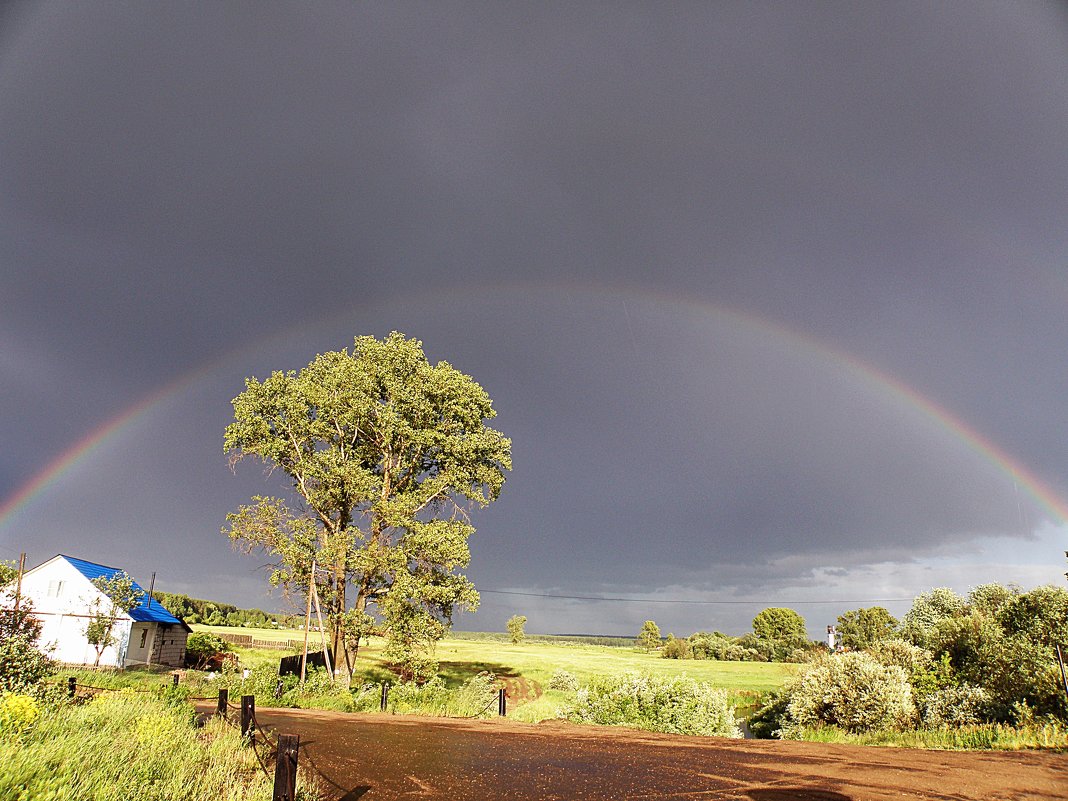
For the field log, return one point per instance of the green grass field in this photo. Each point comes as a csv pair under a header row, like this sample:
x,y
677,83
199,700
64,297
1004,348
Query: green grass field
x,y
535,662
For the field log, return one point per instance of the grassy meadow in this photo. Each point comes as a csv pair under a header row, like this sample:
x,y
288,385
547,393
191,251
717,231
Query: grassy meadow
x,y
529,666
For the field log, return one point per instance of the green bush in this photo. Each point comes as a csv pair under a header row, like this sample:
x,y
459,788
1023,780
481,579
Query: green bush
x,y
563,680
677,705
965,705
202,647
676,649
853,691
17,714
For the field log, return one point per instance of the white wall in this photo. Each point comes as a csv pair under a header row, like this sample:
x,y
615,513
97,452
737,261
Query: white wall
x,y
62,599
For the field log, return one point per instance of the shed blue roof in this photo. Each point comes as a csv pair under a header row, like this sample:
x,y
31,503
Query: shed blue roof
x,y
149,610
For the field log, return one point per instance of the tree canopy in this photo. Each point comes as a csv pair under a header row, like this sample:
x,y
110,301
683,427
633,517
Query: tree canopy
x,y
860,628
387,454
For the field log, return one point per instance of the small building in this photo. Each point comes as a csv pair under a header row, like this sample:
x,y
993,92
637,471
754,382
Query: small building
x,y
63,597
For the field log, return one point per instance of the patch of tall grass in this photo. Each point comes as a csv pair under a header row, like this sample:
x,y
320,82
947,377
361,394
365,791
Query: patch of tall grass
x,y
123,745
977,737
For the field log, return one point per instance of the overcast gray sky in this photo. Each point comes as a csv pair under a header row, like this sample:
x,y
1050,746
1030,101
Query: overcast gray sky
x,y
769,296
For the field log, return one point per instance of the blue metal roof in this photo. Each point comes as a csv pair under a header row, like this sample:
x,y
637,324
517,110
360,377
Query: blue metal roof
x,y
149,610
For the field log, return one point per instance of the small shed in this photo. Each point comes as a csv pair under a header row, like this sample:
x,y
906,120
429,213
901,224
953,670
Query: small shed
x,y
62,593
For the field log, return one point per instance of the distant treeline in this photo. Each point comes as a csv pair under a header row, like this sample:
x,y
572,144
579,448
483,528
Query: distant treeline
x,y
578,639
214,613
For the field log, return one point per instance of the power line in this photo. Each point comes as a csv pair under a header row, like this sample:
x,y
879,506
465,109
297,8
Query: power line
x,y
690,601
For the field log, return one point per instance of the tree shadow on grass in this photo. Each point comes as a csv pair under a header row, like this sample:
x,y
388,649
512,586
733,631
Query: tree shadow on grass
x,y
457,673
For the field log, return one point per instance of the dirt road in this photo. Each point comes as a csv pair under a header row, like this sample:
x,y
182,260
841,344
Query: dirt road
x,y
374,757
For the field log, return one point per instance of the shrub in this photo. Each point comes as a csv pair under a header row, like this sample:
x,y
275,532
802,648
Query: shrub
x,y
563,680
965,705
17,714
676,649
770,718
853,691
677,705
203,650
22,666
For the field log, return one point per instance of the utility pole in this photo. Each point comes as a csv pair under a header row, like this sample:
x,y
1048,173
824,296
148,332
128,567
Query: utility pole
x,y
18,585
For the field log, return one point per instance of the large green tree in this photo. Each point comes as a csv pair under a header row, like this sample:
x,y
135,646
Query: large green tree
x,y
860,628
387,454
779,631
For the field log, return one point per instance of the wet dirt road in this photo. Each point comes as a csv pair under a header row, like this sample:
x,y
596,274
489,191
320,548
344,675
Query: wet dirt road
x,y
374,757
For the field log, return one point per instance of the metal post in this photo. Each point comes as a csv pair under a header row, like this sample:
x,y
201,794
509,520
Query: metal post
x,y
223,698
502,703
385,696
285,768
72,686
248,715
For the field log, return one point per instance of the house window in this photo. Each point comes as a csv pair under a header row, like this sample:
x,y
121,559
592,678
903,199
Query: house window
x,y
144,637
55,588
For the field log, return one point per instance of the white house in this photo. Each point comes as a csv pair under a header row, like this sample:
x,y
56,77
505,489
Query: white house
x,y
63,595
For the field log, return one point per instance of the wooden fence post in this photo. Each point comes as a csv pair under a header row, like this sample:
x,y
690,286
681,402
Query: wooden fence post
x,y
224,697
174,680
285,768
72,686
248,715
502,703
385,696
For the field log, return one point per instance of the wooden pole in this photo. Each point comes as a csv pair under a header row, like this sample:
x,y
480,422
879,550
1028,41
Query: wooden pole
x,y
502,703
322,633
220,708
18,586
285,768
307,625
248,716
72,686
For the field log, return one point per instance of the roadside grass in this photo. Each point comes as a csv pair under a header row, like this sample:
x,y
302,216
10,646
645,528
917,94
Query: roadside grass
x,y
981,737
124,745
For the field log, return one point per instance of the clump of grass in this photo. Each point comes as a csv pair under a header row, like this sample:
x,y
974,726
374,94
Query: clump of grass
x,y
123,745
1050,735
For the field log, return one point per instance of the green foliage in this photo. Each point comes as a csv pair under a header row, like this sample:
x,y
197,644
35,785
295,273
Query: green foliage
x,y
963,705
675,648
929,610
860,628
999,639
196,610
121,594
778,623
9,572
121,746
677,705
853,691
202,646
564,681
768,721
387,453
22,664
515,628
649,636
18,713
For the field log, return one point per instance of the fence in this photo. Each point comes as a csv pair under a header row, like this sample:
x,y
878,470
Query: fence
x,y
249,641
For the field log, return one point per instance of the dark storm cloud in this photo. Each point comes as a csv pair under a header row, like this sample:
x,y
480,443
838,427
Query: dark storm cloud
x,y
178,183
